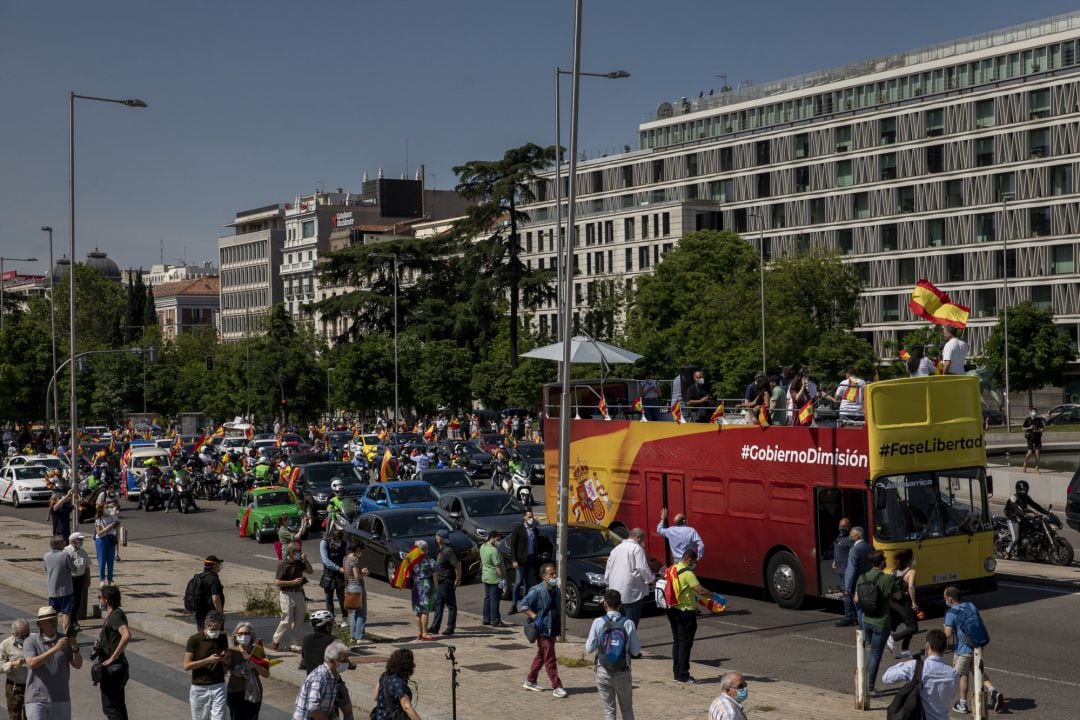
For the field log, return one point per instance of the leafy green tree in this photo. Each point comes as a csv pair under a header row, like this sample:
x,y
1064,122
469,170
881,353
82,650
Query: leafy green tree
x,y
439,374
834,351
1039,351
490,227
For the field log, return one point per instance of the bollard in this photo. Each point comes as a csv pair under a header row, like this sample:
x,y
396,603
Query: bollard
x,y
860,671
978,695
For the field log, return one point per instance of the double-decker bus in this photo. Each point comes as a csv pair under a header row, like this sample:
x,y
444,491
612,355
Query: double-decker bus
x,y
767,501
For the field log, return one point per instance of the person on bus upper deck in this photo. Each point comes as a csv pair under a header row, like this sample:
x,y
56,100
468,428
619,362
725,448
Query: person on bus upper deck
x,y
918,364
954,354
849,393
698,397
753,389
681,536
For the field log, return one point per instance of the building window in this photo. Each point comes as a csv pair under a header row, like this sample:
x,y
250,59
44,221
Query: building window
x,y
888,237
1062,260
985,227
1039,221
844,175
905,199
644,227
935,233
666,220
802,179
986,302
1061,180
778,215
308,227
890,308
1039,142
845,242
954,266
629,261
887,131
628,229
935,122
609,231
643,258
935,158
658,171
954,193
1006,185
817,210
802,145
528,242
843,138
984,152
887,162
862,205
761,152
1042,296
764,187
1039,104
905,270
727,161
984,114
628,176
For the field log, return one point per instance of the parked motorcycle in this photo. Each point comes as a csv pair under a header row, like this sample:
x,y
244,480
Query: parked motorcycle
x,y
1039,539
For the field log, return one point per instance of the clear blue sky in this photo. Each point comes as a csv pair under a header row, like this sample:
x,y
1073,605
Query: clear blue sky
x,y
254,101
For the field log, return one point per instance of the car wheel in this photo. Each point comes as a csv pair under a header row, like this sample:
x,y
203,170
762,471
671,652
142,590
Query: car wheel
x,y
259,537
391,569
573,600
784,578
16,501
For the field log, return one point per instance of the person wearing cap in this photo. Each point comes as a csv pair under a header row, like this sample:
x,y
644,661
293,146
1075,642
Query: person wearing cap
x,y
211,592
49,659
80,574
491,574
13,664
58,569
448,568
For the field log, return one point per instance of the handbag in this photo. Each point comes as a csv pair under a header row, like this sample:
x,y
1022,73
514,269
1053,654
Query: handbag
x,y
531,631
326,582
353,600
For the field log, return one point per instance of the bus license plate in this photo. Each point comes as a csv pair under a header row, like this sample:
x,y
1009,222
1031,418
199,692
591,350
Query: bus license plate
x,y
947,577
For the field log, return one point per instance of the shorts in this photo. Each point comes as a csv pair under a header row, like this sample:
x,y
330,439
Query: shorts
x,y
962,664
1034,441
63,604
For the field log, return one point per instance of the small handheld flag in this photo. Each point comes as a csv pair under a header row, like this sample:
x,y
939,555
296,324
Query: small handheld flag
x,y
676,411
806,413
715,604
763,416
718,413
905,355
602,406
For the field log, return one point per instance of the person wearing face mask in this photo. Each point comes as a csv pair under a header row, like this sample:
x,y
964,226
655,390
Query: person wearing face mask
x,y
290,581
939,681
627,570
683,617
80,574
206,657
109,650
697,397
542,605
13,665
320,695
1033,432
49,659
524,540
244,691
729,704
105,540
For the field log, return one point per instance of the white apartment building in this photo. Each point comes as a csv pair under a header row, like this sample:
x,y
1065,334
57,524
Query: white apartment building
x,y
164,273
925,164
250,258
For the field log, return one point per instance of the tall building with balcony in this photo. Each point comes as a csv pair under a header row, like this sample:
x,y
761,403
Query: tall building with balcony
x,y
250,261
956,163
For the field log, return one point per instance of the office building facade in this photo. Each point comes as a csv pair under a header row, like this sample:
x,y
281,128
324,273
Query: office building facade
x,y
250,261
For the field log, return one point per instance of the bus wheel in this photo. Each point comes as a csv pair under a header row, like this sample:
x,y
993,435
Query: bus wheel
x,y
784,578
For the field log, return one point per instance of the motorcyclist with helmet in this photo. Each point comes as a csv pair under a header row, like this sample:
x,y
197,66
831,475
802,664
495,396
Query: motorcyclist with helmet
x,y
206,456
262,472
180,474
1017,507
152,476
339,505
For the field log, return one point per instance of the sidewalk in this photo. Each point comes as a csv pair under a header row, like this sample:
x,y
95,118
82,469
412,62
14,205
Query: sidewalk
x,y
492,662
1039,573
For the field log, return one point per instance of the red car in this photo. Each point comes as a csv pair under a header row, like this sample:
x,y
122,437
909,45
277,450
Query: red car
x,y
489,441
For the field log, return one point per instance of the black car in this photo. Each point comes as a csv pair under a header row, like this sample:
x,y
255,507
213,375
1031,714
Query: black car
x,y
388,536
297,459
443,479
477,461
1068,414
313,486
1072,501
338,439
589,547
477,512
532,454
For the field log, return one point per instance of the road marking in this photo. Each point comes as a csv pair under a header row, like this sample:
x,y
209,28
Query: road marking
x,y
1040,588
266,557
1036,677
827,642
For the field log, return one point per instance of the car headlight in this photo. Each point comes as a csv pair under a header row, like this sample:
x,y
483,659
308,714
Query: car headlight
x,y
322,498
990,564
595,578
481,532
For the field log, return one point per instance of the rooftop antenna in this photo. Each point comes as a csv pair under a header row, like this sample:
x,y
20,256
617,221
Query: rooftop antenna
x,y
725,87
161,251
406,173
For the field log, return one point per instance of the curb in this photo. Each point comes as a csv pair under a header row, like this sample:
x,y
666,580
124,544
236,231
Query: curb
x,y
1041,581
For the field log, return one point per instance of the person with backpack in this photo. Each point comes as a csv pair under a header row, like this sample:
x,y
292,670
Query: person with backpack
x,y
204,592
614,639
681,587
932,683
873,592
963,622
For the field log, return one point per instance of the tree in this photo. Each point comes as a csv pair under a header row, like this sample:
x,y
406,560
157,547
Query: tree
x,y
490,228
1039,351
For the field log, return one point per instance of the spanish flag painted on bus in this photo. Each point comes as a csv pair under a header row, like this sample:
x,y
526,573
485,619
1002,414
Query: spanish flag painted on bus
x,y
717,414
676,411
806,413
405,567
602,406
932,305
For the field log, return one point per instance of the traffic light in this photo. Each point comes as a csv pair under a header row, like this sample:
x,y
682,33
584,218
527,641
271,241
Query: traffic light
x,y
282,402
209,362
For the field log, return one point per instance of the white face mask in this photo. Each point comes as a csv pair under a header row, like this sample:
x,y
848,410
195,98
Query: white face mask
x,y
701,381
213,634
243,639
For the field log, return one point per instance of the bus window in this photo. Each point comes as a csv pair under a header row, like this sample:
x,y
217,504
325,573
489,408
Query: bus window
x,y
930,504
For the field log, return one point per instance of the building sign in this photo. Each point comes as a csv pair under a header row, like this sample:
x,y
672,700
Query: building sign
x,y
343,219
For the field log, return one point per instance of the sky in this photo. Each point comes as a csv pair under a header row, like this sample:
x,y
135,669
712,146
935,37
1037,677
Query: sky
x,y
252,102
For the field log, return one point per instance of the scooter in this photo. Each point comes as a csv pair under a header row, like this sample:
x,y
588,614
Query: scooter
x,y
183,492
517,484
151,495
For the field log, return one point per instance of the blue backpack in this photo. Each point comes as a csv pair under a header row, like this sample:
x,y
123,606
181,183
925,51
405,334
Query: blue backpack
x,y
969,622
611,652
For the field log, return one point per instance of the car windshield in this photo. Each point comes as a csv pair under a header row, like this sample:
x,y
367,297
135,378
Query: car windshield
x,y
419,525
930,504
340,437
322,475
493,505
589,543
291,437
273,498
50,462
457,478
30,472
371,439
412,494
470,447
531,451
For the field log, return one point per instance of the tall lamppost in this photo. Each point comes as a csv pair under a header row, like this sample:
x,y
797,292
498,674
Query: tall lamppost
x,y
8,259
1005,198
613,75
72,97
759,213
328,371
52,324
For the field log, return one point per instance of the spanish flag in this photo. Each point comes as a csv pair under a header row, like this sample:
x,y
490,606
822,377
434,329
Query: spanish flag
x,y
405,567
602,406
715,604
386,472
905,355
932,305
718,413
763,416
676,411
250,432
638,405
429,434
852,392
258,656
806,413
220,432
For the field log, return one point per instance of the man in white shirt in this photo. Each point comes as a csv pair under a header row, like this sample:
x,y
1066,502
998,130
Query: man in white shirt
x,y
954,354
628,571
680,536
729,704
849,393
940,682
80,574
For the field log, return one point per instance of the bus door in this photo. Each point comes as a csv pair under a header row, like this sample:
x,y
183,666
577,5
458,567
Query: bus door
x,y
830,505
662,490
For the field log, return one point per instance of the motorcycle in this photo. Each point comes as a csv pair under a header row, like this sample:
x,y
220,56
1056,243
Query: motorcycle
x,y
183,492
500,473
517,484
151,495
231,487
1039,539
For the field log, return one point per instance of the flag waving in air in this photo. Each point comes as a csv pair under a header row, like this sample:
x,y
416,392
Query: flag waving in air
x,y
932,305
718,413
905,355
386,468
676,411
602,406
806,413
763,416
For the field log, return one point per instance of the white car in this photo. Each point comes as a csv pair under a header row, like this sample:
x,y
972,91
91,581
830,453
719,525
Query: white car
x,y
50,461
24,484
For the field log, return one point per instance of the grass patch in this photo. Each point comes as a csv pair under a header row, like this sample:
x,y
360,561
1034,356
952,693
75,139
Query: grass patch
x,y
574,662
261,600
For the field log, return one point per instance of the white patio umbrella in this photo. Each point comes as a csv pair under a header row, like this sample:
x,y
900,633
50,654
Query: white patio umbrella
x,y
583,349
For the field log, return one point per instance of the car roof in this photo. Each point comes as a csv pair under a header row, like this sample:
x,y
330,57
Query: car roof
x,y
42,468
442,471
403,483
467,493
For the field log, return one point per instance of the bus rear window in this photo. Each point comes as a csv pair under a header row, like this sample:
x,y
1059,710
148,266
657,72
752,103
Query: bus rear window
x,y
930,504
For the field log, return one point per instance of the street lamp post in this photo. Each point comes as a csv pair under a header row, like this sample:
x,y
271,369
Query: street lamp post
x,y
72,97
760,215
328,371
1005,198
559,72
52,324
1,282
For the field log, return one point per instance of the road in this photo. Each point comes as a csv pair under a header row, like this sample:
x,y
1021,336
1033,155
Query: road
x,y
754,636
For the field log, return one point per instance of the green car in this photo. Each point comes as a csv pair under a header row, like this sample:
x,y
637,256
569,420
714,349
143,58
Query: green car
x,y
262,508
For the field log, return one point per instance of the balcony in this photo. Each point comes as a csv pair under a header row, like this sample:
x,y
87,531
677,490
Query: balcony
x,y
302,266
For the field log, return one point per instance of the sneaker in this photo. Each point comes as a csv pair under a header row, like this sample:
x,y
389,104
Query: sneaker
x,y
997,700
903,654
531,686
344,624
688,681
960,706
891,644
448,633
558,692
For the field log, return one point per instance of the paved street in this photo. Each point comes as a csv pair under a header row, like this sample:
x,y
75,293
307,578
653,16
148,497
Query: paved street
x,y
754,636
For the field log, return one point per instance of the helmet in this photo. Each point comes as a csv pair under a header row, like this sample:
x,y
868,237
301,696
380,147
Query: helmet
x,y
458,449
1022,487
264,460
206,449
150,462
321,617
337,486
